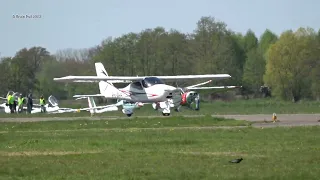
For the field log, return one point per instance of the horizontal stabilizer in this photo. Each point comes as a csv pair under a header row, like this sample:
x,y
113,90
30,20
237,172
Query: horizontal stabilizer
x,y
111,107
215,87
95,81
88,95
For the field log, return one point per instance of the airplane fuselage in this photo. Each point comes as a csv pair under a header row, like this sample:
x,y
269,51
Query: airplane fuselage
x,y
155,93
148,90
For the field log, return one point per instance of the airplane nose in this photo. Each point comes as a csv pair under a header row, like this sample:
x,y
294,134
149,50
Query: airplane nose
x,y
169,88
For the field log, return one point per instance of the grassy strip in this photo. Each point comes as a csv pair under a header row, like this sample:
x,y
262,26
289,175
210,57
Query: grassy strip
x,y
123,123
275,153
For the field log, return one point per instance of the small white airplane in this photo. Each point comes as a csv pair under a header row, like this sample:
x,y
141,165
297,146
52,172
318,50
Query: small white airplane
x,y
187,99
144,89
51,106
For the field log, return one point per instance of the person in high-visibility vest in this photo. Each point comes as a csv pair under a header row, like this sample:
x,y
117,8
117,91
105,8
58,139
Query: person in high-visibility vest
x,y
10,99
42,103
20,103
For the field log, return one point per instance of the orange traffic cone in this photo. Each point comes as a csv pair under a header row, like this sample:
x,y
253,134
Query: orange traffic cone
x,y
274,117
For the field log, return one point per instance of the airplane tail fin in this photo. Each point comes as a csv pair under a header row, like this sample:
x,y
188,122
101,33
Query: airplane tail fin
x,y
92,105
101,71
107,89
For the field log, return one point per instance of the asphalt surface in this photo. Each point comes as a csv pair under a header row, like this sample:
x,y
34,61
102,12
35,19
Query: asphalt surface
x,y
259,120
265,120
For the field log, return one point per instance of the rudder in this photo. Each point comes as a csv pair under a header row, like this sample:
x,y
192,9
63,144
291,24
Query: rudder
x,y
100,70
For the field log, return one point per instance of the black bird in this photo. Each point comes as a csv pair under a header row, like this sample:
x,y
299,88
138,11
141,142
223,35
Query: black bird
x,y
236,160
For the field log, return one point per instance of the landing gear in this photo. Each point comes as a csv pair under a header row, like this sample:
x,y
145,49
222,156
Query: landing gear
x,y
127,112
166,114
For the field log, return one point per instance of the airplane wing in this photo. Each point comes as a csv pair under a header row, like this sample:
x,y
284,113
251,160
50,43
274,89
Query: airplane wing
x,y
126,79
217,88
195,87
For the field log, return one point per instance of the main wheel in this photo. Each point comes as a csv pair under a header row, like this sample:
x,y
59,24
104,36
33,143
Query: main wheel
x,y
129,115
166,114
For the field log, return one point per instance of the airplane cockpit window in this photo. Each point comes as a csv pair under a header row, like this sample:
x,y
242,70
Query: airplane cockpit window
x,y
150,81
136,85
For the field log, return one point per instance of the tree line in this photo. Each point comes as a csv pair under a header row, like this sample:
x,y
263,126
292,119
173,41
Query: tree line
x,y
288,64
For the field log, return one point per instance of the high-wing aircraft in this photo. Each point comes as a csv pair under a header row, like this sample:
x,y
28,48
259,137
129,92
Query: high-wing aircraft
x,y
142,89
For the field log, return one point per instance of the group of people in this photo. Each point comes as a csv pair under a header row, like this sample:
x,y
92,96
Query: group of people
x,y
12,102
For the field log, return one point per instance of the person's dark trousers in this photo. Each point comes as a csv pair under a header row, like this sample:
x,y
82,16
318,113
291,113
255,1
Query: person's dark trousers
x,y
11,108
43,109
29,108
14,106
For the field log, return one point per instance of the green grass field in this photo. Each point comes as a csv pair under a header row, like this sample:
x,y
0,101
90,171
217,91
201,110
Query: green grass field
x,y
156,148
253,106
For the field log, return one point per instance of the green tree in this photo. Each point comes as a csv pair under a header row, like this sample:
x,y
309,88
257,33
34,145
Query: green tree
x,y
213,49
266,39
250,41
288,64
5,78
253,71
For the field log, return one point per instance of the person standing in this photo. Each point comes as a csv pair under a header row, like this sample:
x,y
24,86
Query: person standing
x,y
15,103
29,104
21,101
42,104
10,100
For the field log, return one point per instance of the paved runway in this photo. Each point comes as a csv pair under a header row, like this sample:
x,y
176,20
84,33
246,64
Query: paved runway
x,y
260,120
265,120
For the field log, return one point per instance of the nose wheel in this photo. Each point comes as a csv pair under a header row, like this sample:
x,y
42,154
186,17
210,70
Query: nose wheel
x,y
166,114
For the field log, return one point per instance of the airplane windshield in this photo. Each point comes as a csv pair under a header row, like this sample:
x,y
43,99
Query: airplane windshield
x,y
150,81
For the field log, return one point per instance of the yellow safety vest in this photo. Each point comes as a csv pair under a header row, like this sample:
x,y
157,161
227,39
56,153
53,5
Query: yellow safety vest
x,y
10,99
41,101
20,101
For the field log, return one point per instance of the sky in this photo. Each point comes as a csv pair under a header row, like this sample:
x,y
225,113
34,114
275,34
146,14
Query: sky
x,y
85,23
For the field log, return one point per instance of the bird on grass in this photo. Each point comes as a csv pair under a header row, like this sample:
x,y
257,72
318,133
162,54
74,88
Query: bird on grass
x,y
236,160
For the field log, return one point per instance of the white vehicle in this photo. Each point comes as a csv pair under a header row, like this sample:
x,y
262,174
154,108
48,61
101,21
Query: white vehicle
x,y
142,89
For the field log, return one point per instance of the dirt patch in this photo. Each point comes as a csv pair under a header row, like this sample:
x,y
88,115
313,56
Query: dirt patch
x,y
45,153
223,154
